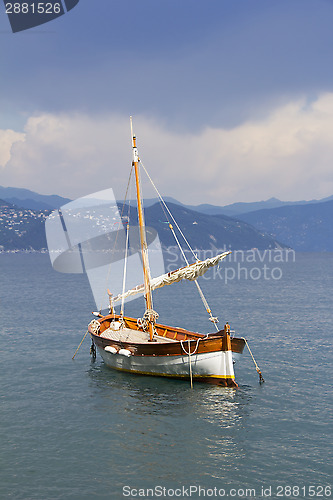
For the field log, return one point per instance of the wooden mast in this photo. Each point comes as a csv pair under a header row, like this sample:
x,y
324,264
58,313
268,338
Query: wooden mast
x,y
144,247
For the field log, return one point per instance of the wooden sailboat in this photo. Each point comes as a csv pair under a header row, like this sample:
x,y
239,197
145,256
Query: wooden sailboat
x,y
144,346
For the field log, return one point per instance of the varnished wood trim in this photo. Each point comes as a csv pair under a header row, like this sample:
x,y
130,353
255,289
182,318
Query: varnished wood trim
x,y
207,344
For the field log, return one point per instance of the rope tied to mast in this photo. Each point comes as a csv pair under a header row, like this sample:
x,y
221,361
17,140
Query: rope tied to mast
x,y
150,316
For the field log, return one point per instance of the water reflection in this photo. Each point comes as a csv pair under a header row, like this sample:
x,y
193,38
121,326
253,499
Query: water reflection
x,y
154,419
155,395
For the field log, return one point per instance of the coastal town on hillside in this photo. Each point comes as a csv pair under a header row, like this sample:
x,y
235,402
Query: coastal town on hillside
x,y
21,228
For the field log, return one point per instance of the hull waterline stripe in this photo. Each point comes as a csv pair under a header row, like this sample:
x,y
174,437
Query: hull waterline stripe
x,y
139,372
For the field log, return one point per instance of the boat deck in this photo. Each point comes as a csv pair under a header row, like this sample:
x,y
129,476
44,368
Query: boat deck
x,y
135,336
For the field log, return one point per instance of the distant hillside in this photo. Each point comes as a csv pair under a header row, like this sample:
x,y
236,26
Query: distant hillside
x,y
25,198
306,228
235,209
24,229
205,231
20,228
5,204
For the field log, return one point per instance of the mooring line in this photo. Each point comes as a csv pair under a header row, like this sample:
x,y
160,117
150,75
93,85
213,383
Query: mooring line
x,y
189,353
261,378
80,343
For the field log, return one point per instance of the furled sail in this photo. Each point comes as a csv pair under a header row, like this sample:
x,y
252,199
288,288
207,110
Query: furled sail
x,y
190,272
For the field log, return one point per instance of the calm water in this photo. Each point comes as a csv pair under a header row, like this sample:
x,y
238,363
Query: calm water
x,y
76,430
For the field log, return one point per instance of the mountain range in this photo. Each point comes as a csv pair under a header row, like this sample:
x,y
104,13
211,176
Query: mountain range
x,y
24,198
235,209
301,225
29,199
204,231
305,228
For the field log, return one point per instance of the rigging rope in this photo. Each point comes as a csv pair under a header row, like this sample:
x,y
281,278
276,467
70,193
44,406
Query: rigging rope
x,y
203,298
125,271
172,217
212,318
177,241
126,257
117,232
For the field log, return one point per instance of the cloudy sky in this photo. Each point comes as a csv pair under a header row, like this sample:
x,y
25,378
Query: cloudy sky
x,y
232,99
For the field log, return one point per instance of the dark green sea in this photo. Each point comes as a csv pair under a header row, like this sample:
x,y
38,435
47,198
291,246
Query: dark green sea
x,y
77,430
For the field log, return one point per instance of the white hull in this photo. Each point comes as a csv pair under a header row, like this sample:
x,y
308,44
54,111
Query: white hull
x,y
218,364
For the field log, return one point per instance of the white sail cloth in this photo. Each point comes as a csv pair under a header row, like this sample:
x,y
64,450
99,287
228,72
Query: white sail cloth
x,y
190,272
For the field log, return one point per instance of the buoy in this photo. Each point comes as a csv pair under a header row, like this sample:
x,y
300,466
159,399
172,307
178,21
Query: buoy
x,y
110,348
125,352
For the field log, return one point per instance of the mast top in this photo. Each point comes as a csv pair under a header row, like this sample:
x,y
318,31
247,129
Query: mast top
x,y
132,133
135,151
